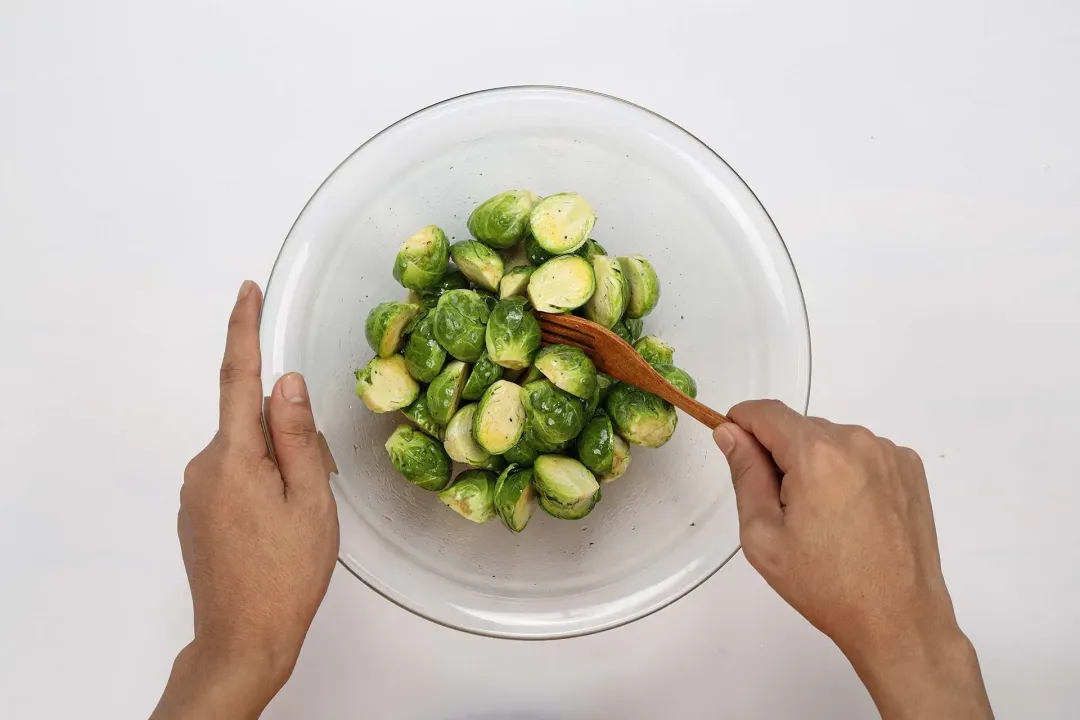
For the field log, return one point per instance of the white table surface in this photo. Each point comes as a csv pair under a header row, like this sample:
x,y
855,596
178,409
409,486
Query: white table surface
x,y
921,159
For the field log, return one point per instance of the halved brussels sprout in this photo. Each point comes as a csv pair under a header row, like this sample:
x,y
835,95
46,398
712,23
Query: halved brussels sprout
x,y
562,284
444,392
419,458
619,329
608,302
418,412
515,282
513,335
569,368
460,324
620,461
500,222
562,223
454,279
604,383
641,417
677,377
500,418
422,259
590,249
567,489
424,356
596,444
472,495
480,263
515,498
461,445
484,372
634,326
385,385
536,255
654,350
523,453
385,326
644,285
554,416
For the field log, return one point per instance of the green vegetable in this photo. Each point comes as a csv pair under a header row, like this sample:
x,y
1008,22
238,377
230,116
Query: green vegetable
x,y
590,249
536,255
462,447
385,385
418,412
500,418
422,259
515,281
644,285
515,498
608,302
472,495
554,416
481,264
593,403
620,461
641,417
460,324
654,350
513,335
596,444
490,299
444,393
424,356
569,368
532,374
562,223
634,326
604,383
562,284
452,280
677,377
385,326
501,222
484,372
523,453
566,488
620,329
419,458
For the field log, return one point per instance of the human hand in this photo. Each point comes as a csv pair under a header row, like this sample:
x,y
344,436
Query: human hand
x,y
259,537
838,521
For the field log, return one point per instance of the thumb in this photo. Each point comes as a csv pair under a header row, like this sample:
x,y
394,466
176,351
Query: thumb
x,y
291,428
753,474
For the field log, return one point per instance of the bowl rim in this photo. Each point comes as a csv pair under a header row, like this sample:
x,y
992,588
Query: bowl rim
x,y
510,89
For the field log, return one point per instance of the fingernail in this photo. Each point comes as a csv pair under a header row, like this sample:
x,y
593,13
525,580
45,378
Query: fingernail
x,y
245,289
293,388
724,440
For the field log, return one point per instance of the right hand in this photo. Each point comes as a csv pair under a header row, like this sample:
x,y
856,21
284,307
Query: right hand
x,y
838,521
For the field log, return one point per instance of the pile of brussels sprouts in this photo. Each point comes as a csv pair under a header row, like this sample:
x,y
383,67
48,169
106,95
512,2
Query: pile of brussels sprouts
x,y
461,358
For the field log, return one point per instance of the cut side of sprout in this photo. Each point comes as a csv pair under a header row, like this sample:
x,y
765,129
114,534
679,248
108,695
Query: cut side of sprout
x,y
562,284
620,461
385,385
562,223
500,418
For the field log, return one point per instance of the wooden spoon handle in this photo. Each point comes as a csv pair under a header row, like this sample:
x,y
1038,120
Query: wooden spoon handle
x,y
699,411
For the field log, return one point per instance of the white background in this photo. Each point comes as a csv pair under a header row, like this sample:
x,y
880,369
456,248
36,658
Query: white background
x,y
921,159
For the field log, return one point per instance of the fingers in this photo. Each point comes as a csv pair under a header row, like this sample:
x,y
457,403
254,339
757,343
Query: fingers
x,y
240,421
292,432
781,430
757,484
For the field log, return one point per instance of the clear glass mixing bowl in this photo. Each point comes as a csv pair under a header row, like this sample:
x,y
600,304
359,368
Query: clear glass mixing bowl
x,y
730,304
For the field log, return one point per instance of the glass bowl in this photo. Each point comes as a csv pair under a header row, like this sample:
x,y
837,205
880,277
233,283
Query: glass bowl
x,y
730,305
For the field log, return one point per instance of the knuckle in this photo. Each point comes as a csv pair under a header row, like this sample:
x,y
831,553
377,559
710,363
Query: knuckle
x,y
295,433
233,371
911,457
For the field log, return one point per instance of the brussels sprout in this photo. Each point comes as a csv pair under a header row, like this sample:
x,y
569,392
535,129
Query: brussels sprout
x,y
444,392
644,285
484,372
604,383
418,412
592,404
454,279
480,263
460,324
562,284
654,350
423,355
566,488
536,255
532,374
490,299
523,453
515,281
500,418
569,368
554,416
461,445
562,223
385,327
515,498
620,461
422,259
620,329
541,446
590,249
472,495
596,444
500,222
419,458
612,294
634,326
677,377
513,335
385,385
641,417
